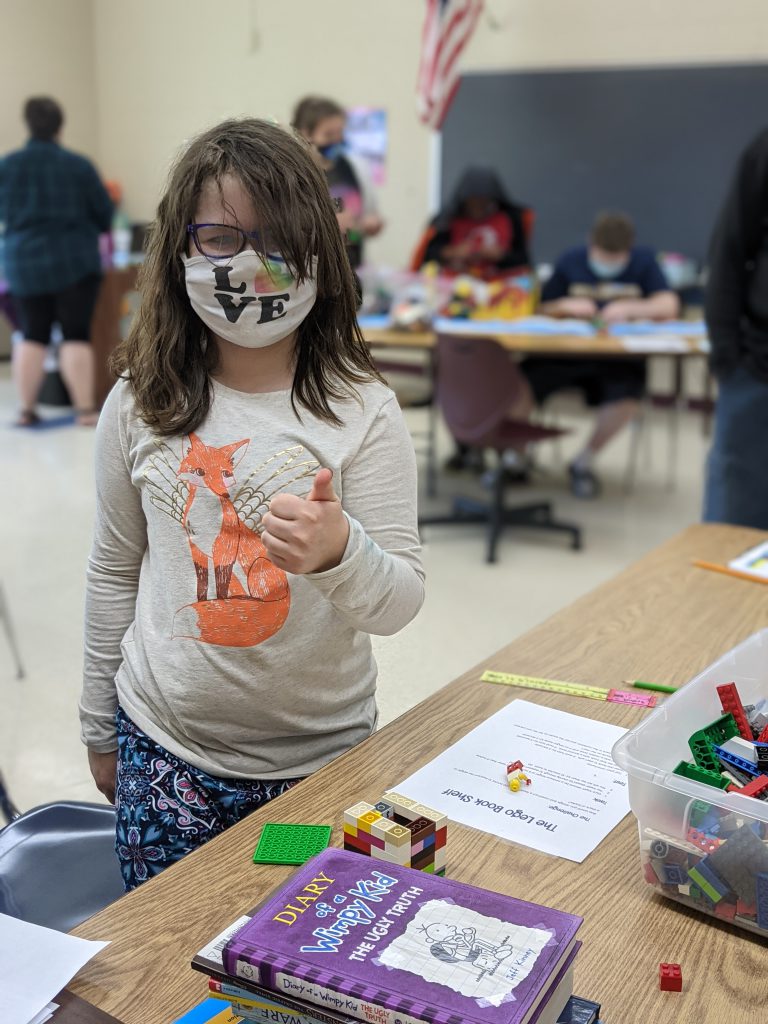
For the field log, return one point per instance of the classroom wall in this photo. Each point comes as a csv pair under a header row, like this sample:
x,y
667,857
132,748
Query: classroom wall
x,y
46,47
163,70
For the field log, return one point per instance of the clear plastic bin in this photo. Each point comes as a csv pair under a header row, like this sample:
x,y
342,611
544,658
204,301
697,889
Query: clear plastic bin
x,y
668,806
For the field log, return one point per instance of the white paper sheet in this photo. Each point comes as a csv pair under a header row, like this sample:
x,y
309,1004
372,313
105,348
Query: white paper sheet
x,y
754,561
654,343
35,965
577,793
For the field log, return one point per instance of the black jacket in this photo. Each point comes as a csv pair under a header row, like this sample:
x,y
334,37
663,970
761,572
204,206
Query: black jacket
x,y
480,181
736,302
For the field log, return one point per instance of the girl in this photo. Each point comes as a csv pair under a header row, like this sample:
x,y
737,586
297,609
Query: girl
x,y
322,121
256,507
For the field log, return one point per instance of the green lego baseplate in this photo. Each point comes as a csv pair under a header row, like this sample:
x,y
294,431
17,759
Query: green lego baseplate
x,y
290,844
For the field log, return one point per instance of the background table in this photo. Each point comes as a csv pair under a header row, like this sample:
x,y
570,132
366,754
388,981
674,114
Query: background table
x,y
660,619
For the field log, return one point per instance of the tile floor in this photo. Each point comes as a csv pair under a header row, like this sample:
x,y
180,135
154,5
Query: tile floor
x,y
46,507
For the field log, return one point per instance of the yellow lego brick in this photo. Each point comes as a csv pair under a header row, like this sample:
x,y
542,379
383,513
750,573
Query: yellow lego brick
x,y
398,835
351,830
365,821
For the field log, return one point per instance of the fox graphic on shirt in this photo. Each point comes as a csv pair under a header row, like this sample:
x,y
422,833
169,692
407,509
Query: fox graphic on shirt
x,y
242,598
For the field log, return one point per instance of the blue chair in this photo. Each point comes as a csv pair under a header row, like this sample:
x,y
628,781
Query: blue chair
x,y
58,864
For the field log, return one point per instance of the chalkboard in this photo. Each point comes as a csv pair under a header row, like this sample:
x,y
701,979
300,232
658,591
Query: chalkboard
x,y
660,143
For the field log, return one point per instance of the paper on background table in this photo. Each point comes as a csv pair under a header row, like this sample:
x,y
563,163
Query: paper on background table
x,y
35,965
754,562
577,794
653,343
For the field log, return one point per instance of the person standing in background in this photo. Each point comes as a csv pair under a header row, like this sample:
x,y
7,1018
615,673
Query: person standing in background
x,y
736,312
322,121
54,207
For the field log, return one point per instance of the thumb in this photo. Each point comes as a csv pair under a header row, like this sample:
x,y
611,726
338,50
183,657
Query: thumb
x,y
322,487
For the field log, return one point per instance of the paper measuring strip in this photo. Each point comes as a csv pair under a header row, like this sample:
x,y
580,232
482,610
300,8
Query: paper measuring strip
x,y
644,700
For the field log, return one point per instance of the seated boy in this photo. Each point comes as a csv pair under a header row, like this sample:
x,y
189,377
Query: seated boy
x,y
608,280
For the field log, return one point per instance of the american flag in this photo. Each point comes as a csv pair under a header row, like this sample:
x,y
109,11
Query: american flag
x,y
447,29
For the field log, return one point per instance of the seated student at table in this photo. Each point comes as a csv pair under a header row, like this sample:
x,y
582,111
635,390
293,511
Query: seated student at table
x,y
479,231
611,280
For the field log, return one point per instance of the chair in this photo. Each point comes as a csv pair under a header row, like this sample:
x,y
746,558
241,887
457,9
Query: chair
x,y
477,382
58,864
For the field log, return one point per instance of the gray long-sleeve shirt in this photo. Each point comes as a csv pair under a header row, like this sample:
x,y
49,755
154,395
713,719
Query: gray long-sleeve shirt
x,y
222,659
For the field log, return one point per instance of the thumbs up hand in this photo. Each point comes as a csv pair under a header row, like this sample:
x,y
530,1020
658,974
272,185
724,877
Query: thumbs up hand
x,y
304,535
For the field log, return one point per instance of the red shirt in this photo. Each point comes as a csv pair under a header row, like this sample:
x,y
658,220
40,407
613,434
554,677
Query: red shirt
x,y
495,230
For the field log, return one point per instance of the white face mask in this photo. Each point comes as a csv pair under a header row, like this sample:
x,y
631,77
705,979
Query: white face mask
x,y
248,301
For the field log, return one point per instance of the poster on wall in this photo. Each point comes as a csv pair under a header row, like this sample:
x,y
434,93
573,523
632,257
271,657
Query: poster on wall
x,y
366,137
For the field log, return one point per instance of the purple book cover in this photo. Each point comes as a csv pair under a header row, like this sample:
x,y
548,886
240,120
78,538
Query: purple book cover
x,y
392,945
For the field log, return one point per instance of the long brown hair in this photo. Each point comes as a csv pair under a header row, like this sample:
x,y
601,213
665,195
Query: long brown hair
x,y
167,356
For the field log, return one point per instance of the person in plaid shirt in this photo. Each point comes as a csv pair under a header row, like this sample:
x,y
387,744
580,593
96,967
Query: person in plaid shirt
x,y
54,207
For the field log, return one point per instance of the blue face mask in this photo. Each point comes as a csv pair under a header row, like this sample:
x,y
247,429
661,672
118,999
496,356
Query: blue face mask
x,y
605,271
332,151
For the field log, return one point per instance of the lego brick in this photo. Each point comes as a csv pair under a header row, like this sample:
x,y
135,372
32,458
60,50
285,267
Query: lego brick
x,y
420,827
725,910
675,874
708,881
418,862
757,788
399,855
353,813
357,843
746,909
376,841
761,888
658,870
441,856
417,848
438,818
761,753
429,840
650,875
383,827
670,978
386,810
399,835
762,736
429,868
702,841
681,844
739,860
403,805
699,774
702,741
742,748
730,701
290,844
350,830
365,821
441,837
734,761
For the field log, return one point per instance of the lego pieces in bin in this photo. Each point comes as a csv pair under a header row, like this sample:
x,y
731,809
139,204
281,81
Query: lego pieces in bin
x,y
731,761
757,787
698,774
742,748
739,861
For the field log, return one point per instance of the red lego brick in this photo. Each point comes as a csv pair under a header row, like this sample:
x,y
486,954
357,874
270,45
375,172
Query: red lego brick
x,y
441,837
763,737
704,842
355,843
670,978
725,910
515,766
650,874
746,909
731,702
757,787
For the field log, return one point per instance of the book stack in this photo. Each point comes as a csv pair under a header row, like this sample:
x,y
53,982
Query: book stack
x,y
348,939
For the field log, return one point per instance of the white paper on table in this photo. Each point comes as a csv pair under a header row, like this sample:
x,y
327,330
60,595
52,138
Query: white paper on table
x,y
45,1014
754,561
654,343
35,965
577,793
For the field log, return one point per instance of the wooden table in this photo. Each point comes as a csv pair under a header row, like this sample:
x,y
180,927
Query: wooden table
x,y
659,619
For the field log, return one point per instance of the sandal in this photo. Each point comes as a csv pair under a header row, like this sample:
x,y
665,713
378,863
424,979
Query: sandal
x,y
27,418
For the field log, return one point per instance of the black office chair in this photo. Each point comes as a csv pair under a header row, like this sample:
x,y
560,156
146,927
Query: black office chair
x,y
58,864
